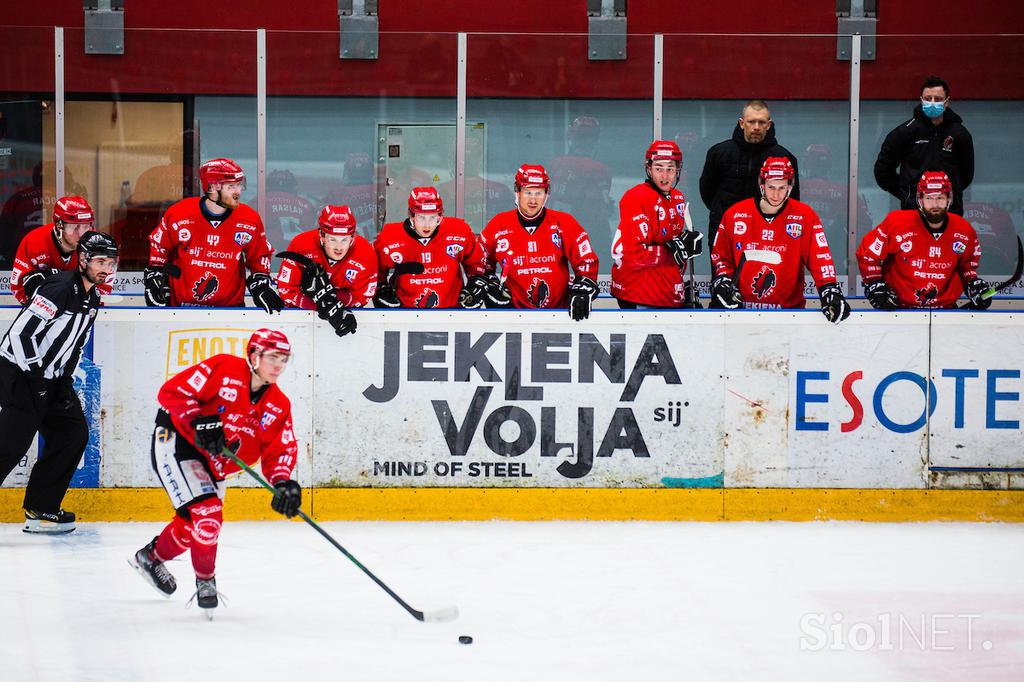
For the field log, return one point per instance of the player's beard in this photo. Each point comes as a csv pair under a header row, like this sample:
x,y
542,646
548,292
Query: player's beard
x,y
938,217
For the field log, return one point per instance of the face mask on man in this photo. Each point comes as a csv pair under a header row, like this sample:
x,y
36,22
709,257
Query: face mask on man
x,y
933,109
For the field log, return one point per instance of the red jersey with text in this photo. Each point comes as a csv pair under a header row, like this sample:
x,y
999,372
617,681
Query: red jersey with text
x,y
444,255
643,270
919,267
287,214
220,385
354,277
795,233
535,264
39,251
213,258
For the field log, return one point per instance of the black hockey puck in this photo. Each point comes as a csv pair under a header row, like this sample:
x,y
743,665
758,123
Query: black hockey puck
x,y
465,639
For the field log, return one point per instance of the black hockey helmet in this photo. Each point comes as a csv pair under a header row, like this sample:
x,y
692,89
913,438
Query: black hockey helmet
x,y
93,244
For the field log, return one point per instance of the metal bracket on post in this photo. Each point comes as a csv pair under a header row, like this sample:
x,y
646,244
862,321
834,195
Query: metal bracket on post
x,y
856,17
606,24
358,29
104,26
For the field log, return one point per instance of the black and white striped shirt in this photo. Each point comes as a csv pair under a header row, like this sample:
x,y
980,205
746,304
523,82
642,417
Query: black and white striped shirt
x,y
48,335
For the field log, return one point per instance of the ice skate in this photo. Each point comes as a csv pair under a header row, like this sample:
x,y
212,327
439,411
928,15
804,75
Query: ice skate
x,y
49,522
153,570
206,596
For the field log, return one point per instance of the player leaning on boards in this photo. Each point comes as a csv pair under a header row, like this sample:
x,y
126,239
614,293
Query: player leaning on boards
x,y
655,239
38,356
422,259
225,399
545,255
763,245
923,258
51,248
330,269
200,251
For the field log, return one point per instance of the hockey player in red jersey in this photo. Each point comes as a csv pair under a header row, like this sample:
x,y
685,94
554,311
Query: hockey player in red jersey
x,y
763,245
924,258
546,257
655,241
225,401
422,259
330,269
203,246
50,248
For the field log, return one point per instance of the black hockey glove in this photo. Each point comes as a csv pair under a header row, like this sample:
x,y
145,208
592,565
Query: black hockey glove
x,y
65,395
38,389
724,294
472,295
261,286
209,434
582,293
496,293
685,246
975,290
833,304
158,292
32,280
314,280
338,316
287,498
386,296
691,297
881,296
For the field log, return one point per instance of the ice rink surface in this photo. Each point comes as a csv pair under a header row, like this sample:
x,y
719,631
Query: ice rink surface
x,y
543,601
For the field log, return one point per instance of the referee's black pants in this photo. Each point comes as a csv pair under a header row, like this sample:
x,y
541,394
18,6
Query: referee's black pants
x,y
58,418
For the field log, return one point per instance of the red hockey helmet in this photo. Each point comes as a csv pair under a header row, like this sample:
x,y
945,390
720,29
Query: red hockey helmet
x,y
73,209
934,182
217,171
337,220
776,167
263,340
425,200
664,150
532,175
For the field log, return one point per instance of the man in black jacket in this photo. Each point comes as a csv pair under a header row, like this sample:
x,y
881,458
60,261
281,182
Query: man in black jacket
x,y
732,166
934,139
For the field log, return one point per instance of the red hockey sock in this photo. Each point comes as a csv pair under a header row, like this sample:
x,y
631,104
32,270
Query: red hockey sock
x,y
174,539
207,517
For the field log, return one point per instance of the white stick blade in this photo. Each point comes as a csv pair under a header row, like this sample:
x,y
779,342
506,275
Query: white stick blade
x,y
763,256
441,615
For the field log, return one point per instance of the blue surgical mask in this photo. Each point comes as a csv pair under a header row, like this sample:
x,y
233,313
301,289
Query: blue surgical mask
x,y
933,109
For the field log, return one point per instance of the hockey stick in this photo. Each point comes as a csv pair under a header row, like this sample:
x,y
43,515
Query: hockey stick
x,y
436,616
991,291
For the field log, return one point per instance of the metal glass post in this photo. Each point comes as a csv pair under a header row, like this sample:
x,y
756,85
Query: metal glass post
x,y
261,122
659,73
852,205
58,97
460,130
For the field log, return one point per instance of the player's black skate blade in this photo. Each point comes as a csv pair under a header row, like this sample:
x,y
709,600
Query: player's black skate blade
x,y
48,522
206,596
153,571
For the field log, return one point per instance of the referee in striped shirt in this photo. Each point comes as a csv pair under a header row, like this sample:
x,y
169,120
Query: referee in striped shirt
x,y
38,357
